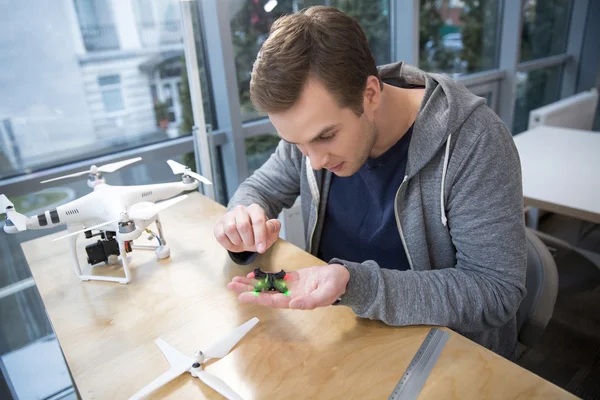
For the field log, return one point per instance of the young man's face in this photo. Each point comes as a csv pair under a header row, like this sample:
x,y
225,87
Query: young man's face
x,y
332,137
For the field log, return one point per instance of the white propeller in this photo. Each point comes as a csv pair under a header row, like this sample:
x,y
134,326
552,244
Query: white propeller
x,y
145,213
107,168
178,168
180,363
18,220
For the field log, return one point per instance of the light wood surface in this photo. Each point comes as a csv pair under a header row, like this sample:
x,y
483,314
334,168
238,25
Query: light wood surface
x,y
561,170
107,330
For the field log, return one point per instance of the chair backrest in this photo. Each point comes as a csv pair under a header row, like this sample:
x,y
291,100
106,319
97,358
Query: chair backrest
x,y
542,288
576,112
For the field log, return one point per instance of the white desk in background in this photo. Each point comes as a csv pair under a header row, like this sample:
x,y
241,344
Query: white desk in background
x,y
561,171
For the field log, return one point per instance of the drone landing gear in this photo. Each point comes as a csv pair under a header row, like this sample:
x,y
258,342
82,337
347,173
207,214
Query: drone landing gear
x,y
89,277
162,250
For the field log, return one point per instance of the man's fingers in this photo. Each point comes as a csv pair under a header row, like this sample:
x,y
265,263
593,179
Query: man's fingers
x,y
259,226
273,228
231,229
244,226
275,300
239,287
223,239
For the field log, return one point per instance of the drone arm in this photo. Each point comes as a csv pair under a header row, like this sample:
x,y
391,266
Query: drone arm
x,y
158,192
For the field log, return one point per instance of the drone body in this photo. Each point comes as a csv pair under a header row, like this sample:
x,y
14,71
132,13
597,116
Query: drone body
x,y
270,281
121,214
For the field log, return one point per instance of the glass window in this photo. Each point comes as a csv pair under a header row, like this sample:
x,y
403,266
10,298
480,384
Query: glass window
x,y
458,37
545,28
111,92
535,89
259,149
252,19
65,99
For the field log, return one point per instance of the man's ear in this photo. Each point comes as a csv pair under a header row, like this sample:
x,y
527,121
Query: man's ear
x,y
372,94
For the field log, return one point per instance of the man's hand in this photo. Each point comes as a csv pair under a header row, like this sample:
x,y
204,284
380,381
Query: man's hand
x,y
309,288
247,229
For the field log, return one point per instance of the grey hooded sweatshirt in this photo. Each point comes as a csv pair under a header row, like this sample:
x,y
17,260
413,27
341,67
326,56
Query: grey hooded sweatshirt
x,y
459,213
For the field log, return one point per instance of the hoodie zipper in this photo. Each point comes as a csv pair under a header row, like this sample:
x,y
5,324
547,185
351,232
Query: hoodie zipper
x,y
400,225
314,192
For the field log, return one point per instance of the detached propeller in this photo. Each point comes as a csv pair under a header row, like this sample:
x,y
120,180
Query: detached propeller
x,y
181,363
18,220
182,169
140,213
107,168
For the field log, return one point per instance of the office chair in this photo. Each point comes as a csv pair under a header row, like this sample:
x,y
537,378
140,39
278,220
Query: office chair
x,y
541,283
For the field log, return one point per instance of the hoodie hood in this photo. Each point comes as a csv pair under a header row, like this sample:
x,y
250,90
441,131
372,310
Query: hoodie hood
x,y
445,107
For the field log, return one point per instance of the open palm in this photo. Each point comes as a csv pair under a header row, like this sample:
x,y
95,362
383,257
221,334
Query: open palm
x,y
308,288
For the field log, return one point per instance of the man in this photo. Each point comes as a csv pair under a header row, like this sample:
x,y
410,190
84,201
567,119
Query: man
x,y
410,187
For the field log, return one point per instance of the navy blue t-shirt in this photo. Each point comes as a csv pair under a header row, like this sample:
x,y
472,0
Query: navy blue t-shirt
x,y
360,223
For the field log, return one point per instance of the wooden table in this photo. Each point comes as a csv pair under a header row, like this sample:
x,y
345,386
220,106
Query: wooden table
x,y
107,330
561,170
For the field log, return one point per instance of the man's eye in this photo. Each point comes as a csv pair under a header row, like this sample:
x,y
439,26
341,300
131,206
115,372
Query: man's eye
x,y
327,138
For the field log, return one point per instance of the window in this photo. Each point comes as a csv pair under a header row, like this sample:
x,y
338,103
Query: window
x,y
459,37
73,101
110,86
98,29
259,149
535,89
545,28
251,21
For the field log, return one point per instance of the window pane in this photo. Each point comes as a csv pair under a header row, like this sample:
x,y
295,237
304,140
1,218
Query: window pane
x,y
545,28
458,37
259,149
112,99
61,87
535,89
250,24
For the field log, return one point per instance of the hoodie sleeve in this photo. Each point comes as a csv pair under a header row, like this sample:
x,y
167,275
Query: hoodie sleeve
x,y
274,186
485,217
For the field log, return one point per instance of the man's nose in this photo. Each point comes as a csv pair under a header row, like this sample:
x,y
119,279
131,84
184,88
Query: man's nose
x,y
317,160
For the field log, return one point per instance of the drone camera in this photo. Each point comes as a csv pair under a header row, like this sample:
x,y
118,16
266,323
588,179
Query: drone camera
x,y
100,251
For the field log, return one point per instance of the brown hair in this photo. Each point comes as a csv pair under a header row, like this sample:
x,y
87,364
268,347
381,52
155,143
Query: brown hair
x,y
321,42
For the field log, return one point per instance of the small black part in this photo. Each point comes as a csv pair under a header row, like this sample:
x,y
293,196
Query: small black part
x,y
195,365
258,274
54,216
98,252
279,275
88,234
42,220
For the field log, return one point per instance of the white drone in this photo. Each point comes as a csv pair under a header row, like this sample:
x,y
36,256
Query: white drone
x,y
120,213
181,363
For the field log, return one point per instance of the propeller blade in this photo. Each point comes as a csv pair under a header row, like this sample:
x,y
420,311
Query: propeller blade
x,y
159,382
223,346
149,212
66,176
175,357
18,220
178,168
218,385
198,177
4,203
118,165
87,229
